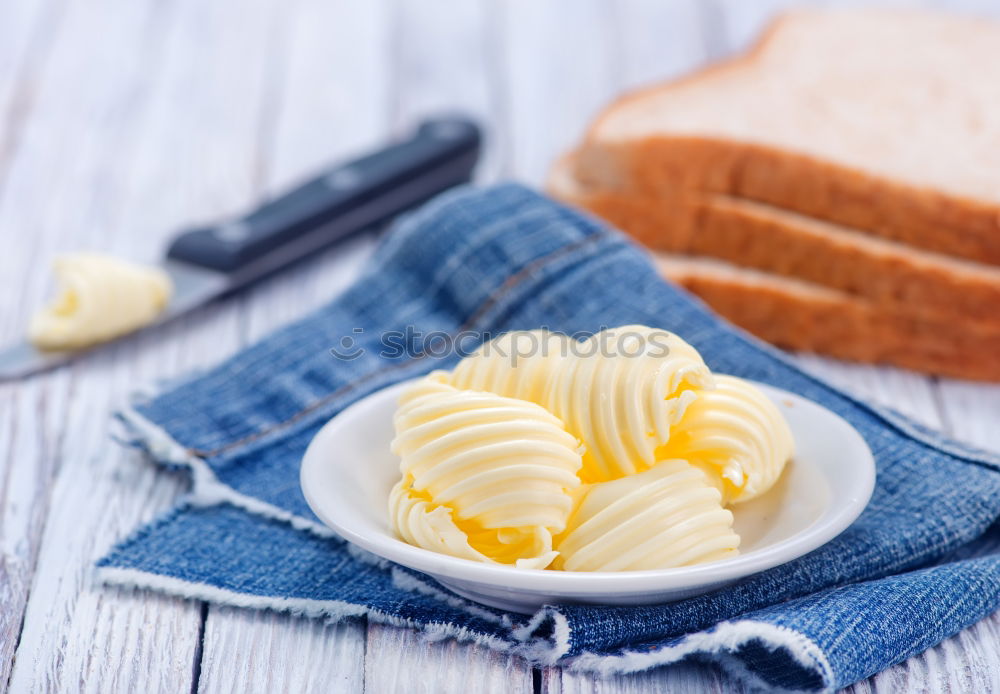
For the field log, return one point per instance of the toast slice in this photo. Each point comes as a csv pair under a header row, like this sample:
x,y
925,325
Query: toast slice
x,y
789,244
800,316
879,119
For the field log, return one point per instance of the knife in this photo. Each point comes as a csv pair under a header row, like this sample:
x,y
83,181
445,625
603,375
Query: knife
x,y
208,262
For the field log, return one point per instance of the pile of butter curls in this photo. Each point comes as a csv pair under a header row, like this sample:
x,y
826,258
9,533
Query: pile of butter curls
x,y
615,453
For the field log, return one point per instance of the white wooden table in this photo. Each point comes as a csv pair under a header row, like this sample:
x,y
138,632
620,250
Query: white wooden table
x,y
122,120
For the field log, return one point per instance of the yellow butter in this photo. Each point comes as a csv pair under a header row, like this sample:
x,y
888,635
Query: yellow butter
x,y
619,391
484,477
518,364
737,434
491,463
100,297
669,515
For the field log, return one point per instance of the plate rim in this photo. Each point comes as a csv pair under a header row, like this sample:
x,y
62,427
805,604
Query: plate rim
x,y
587,583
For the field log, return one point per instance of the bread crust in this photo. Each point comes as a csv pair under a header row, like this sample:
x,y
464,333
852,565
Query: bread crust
x,y
924,218
912,328
654,166
876,307
695,224
848,329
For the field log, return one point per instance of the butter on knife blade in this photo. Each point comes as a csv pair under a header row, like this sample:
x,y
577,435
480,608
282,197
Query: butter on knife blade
x,y
190,287
204,263
100,298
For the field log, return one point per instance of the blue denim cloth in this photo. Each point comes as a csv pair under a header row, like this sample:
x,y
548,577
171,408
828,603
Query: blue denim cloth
x,y
921,563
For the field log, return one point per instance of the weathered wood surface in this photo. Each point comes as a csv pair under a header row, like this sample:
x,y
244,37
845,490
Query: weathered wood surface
x,y
123,120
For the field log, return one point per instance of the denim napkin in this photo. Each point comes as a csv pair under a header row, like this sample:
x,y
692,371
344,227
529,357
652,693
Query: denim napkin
x,y
920,564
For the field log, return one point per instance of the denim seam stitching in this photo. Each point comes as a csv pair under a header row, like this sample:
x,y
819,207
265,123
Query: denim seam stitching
x,y
502,292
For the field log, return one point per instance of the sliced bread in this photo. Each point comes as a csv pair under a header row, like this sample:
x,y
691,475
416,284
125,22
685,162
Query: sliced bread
x,y
802,316
884,120
789,244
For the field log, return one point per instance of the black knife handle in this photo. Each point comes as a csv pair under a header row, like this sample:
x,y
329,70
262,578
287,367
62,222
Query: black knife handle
x,y
338,203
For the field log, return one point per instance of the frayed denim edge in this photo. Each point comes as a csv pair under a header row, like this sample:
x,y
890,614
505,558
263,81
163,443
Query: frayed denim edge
x,y
333,610
413,584
718,645
208,491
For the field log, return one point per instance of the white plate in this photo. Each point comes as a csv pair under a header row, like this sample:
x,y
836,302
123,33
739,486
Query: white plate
x,y
348,470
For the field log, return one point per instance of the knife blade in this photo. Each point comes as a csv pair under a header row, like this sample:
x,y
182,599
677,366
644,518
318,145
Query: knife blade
x,y
208,262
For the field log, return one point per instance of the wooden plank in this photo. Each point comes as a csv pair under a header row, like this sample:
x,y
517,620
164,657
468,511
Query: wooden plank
x,y
325,98
441,62
153,138
557,69
740,23
100,494
263,651
402,661
972,411
656,41
331,97
67,134
26,33
907,392
682,678
345,47
29,417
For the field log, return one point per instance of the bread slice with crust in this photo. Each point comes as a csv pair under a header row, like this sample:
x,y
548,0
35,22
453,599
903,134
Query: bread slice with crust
x,y
800,316
883,120
789,244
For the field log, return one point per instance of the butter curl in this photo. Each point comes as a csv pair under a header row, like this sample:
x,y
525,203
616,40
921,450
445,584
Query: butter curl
x,y
620,391
670,515
737,434
100,297
484,477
